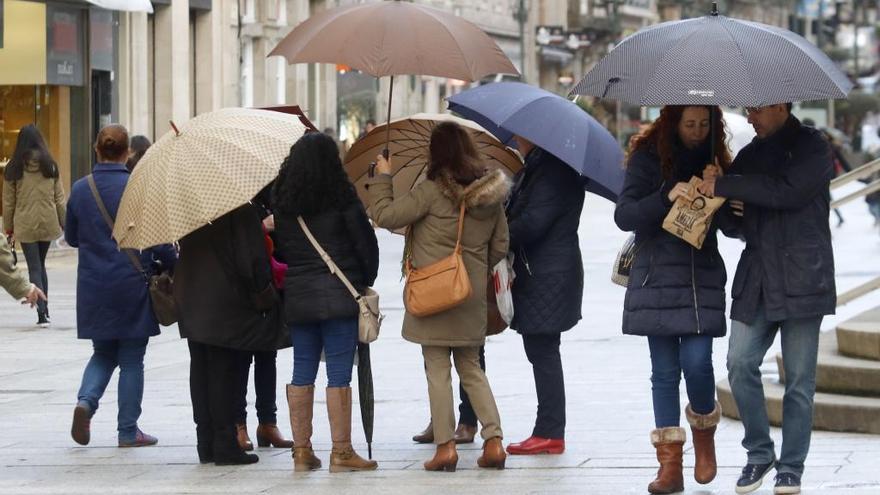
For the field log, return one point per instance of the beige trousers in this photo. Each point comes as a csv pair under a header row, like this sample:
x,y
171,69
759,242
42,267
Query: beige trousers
x,y
438,370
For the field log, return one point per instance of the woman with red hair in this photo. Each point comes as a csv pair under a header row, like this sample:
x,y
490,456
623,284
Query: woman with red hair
x,y
676,294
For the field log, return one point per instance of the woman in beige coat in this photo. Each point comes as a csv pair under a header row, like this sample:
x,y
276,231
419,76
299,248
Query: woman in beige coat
x,y
33,206
431,210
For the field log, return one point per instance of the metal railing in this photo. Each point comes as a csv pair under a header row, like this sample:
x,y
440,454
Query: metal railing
x,y
865,171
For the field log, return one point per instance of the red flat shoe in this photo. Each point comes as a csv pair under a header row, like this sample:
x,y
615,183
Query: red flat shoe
x,y
537,445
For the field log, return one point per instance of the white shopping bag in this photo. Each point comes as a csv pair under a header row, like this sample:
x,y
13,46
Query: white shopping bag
x,y
503,276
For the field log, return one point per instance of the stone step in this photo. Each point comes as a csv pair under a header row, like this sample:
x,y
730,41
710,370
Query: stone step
x,y
860,336
830,412
840,374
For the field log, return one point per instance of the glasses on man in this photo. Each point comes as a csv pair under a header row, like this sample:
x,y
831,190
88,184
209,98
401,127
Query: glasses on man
x,y
754,110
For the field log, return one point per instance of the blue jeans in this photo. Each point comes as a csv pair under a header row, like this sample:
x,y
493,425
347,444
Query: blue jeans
x,y
800,344
670,356
338,340
128,355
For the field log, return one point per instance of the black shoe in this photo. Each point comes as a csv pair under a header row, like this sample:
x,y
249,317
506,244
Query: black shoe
x,y
206,454
42,320
243,458
787,483
752,476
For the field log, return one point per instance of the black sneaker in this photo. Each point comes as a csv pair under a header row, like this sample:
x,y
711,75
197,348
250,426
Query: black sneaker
x,y
787,483
752,476
42,321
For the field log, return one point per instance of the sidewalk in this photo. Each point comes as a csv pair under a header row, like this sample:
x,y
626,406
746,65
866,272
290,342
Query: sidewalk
x,y
607,383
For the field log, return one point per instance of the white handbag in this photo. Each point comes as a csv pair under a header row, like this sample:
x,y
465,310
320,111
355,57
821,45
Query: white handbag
x,y
369,317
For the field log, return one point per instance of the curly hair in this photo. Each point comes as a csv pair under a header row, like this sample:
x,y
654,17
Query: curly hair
x,y
312,179
662,137
29,146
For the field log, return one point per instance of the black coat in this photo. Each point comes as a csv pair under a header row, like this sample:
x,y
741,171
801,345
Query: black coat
x,y
311,292
223,285
674,289
788,263
543,216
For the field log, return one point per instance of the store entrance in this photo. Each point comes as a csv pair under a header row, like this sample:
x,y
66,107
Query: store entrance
x,y
102,100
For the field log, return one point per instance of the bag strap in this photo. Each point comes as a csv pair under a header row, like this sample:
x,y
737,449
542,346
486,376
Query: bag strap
x,y
328,260
407,265
107,218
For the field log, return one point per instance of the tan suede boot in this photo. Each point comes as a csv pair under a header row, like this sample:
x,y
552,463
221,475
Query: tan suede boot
x,y
669,443
703,431
300,401
343,457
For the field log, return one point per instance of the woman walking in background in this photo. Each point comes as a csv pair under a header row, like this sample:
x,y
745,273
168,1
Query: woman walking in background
x,y
139,146
320,311
432,211
112,302
33,207
675,295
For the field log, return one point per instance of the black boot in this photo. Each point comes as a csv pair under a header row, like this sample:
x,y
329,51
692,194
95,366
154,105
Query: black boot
x,y
227,452
205,444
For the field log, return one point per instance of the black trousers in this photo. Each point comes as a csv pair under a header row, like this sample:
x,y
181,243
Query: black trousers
x,y
264,387
466,414
543,352
35,256
213,375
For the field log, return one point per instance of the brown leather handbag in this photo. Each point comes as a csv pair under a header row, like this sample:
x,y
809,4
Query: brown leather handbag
x,y
440,286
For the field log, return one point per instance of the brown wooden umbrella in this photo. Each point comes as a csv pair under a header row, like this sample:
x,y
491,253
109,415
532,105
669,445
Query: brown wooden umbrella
x,y
392,38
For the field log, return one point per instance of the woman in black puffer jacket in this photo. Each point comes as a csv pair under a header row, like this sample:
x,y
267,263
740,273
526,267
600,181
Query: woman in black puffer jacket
x,y
676,292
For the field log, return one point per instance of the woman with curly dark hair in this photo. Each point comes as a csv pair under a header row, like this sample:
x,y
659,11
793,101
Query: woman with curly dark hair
x,y
675,295
319,310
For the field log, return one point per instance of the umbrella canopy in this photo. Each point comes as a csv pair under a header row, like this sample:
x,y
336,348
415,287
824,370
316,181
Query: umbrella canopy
x,y
294,110
124,5
714,60
365,394
217,162
395,38
553,123
409,139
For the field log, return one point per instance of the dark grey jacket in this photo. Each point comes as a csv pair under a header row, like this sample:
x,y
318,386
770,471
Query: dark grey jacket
x,y
788,263
543,215
674,288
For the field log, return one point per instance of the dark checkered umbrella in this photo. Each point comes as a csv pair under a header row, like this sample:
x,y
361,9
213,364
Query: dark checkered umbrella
x,y
714,60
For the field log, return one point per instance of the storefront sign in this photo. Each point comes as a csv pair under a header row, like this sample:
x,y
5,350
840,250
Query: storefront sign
x,y
64,46
102,30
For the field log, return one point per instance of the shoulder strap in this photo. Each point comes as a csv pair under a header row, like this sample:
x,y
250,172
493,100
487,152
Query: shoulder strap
x,y
107,218
328,260
460,228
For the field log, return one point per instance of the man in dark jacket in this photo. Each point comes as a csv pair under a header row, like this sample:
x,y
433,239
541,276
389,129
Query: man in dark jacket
x,y
784,282
543,215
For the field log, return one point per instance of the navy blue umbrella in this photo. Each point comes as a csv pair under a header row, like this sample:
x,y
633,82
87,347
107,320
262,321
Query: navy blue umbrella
x,y
552,123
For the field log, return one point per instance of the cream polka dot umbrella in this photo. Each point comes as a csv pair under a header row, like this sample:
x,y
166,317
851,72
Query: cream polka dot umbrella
x,y
202,170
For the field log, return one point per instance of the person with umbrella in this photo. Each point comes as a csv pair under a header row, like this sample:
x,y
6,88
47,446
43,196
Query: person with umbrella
x,y
457,189
784,283
321,314
676,294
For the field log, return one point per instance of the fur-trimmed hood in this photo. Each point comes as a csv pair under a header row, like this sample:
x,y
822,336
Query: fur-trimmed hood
x,y
485,193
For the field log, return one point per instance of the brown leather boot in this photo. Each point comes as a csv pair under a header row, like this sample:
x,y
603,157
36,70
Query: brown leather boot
x,y
465,433
300,401
427,435
493,454
703,431
445,458
343,457
669,443
268,434
241,434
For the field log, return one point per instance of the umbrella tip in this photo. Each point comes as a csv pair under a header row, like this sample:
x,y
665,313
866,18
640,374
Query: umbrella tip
x,y
176,131
714,12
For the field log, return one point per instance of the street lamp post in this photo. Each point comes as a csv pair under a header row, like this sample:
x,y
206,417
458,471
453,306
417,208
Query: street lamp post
x,y
521,14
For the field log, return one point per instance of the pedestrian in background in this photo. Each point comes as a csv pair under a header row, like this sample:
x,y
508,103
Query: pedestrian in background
x,y
139,146
320,312
431,212
543,213
676,294
784,283
33,207
112,301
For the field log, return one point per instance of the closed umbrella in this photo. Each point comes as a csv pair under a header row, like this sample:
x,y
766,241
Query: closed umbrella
x,y
551,122
365,394
124,5
395,38
202,170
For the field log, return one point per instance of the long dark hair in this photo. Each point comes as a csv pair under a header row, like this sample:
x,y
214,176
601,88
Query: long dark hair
x,y
30,146
312,179
138,145
662,137
452,151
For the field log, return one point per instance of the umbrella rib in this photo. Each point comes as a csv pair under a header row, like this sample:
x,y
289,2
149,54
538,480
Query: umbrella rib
x,y
742,56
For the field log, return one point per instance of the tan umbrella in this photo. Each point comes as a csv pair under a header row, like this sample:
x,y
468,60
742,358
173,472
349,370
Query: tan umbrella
x,y
409,139
395,38
202,170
